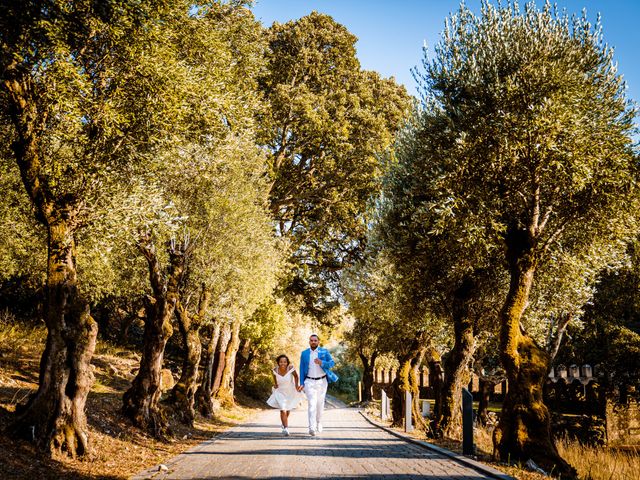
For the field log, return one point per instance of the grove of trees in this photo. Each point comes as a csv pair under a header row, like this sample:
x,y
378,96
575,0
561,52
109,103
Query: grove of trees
x,y
509,205
167,155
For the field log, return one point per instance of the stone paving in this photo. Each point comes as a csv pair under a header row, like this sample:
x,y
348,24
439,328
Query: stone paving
x,y
349,447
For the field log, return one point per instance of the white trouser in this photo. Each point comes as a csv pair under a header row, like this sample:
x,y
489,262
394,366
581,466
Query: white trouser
x,y
315,390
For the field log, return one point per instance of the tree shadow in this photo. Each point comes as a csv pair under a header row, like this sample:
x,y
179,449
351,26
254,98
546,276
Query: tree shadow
x,y
20,459
344,450
389,476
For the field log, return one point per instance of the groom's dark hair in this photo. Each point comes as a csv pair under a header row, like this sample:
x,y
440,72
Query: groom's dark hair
x,y
314,335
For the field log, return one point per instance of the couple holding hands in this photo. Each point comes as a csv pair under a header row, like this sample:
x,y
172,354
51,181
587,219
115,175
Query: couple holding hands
x,y
315,375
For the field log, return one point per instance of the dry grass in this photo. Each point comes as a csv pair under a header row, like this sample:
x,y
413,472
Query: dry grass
x,y
599,463
18,334
118,449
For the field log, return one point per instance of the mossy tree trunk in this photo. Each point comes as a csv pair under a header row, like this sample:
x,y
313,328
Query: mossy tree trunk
x,y
204,395
368,367
54,416
414,382
141,401
524,430
407,381
132,311
397,391
226,388
184,392
436,381
456,370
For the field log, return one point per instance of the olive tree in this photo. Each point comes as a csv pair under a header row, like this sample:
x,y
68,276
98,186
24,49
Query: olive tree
x,y
391,320
235,262
370,301
452,283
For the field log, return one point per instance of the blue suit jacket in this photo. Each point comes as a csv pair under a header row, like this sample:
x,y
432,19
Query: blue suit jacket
x,y
327,363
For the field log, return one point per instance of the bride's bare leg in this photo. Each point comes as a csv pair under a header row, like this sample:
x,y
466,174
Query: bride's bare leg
x,y
284,418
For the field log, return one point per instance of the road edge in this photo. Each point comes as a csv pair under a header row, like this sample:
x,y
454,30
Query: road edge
x,y
468,462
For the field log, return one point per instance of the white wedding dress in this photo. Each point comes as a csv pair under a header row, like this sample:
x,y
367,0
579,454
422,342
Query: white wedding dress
x,y
285,397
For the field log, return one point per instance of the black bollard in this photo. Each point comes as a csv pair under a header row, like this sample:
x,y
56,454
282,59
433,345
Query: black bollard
x,y
467,422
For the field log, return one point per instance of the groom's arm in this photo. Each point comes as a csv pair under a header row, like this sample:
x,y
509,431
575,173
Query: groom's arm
x,y
303,370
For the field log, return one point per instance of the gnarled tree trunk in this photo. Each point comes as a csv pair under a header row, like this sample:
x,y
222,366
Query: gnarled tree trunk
x,y
131,312
184,391
486,387
225,390
407,381
204,395
220,359
54,416
141,401
524,430
436,381
456,369
368,366
414,382
398,387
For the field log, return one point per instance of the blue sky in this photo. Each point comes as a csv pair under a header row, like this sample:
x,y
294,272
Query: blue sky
x,y
391,33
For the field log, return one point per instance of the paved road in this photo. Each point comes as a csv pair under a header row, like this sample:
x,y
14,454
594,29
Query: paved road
x,y
349,447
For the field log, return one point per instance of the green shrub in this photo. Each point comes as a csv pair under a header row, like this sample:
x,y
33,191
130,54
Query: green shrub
x,y
347,385
256,384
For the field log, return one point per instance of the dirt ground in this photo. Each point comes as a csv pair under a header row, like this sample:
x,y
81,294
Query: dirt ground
x,y
119,450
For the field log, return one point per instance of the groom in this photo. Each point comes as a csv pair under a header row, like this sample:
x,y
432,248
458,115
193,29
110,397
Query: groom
x,y
315,376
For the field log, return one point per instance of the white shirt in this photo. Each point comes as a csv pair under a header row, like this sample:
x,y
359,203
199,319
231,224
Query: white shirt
x,y
315,370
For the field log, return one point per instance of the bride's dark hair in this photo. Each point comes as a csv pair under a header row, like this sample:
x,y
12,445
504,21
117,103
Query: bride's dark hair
x,y
283,356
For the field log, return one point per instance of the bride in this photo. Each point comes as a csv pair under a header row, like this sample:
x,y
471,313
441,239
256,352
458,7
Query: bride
x,y
285,394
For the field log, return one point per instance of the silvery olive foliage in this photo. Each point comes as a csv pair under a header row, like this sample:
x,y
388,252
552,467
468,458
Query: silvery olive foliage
x,y
146,111
524,124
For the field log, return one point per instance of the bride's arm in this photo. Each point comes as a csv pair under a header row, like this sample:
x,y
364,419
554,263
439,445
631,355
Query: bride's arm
x,y
295,378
